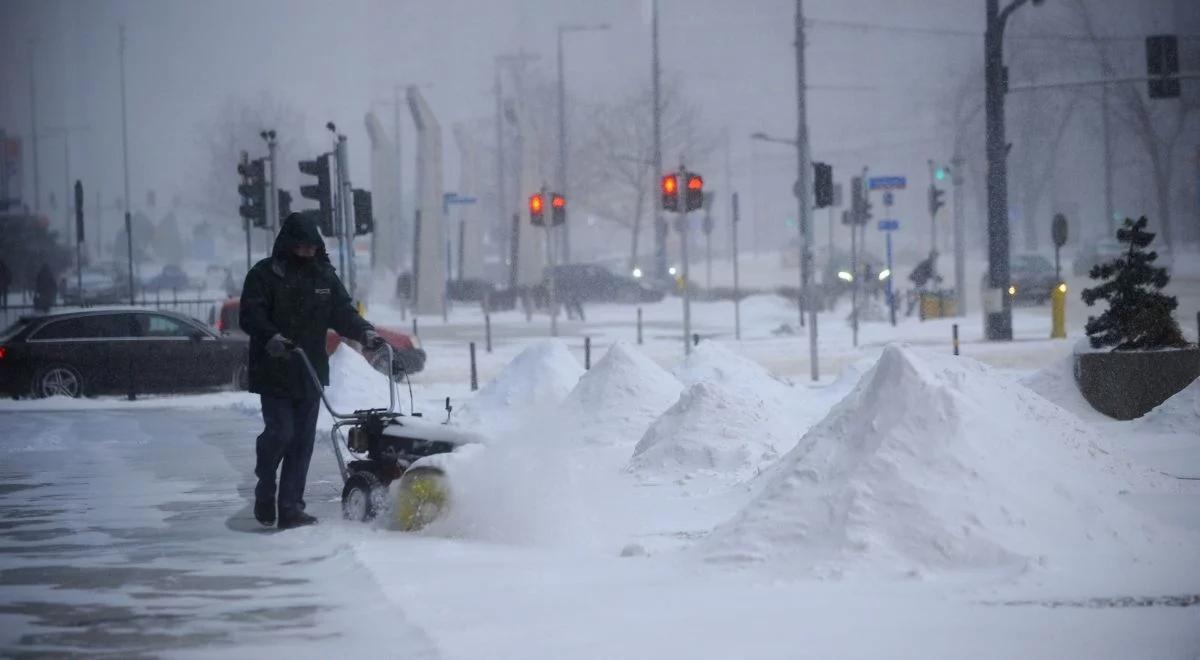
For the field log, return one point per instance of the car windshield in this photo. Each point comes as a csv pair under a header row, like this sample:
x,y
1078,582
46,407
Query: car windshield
x,y
1030,262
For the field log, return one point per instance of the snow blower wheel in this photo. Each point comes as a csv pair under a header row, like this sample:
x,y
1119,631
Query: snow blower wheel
x,y
421,496
361,497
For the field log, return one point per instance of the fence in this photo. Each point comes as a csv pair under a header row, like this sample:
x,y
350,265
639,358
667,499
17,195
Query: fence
x,y
190,302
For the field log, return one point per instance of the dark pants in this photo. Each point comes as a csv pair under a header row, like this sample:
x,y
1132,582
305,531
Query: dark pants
x,y
291,426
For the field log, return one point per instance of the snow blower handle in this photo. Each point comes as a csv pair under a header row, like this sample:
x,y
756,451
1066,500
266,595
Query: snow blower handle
x,y
321,388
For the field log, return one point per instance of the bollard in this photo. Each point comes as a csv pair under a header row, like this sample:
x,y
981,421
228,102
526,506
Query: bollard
x,y
414,325
587,352
639,325
474,372
695,339
487,332
955,335
1058,311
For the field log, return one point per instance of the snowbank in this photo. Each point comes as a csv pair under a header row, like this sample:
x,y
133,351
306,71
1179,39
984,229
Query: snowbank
x,y
540,377
1178,414
620,396
1057,384
933,462
354,384
712,361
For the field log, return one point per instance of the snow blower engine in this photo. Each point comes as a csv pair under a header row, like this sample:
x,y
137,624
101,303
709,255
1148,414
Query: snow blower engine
x,y
384,445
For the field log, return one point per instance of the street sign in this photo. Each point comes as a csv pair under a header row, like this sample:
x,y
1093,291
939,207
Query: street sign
x,y
1058,230
887,183
888,198
454,198
889,225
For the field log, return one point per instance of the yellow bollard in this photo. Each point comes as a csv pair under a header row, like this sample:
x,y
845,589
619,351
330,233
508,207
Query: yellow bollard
x,y
360,307
1058,311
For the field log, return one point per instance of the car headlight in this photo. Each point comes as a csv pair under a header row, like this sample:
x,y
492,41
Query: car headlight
x,y
1012,289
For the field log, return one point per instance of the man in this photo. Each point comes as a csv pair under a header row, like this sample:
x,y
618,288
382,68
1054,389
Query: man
x,y
45,289
289,300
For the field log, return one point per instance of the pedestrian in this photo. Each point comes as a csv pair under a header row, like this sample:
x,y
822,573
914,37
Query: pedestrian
x,y
45,289
291,299
5,282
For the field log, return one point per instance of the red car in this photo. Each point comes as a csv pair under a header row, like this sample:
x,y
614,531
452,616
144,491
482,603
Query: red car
x,y
409,355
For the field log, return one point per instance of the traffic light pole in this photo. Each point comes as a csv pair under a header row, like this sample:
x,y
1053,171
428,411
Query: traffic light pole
x,y
960,247
272,205
737,296
660,224
687,281
802,198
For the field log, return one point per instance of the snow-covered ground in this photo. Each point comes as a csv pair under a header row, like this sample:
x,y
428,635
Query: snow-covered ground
x,y
907,504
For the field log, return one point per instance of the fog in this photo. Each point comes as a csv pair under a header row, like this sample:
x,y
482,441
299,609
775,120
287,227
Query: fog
x,y
891,85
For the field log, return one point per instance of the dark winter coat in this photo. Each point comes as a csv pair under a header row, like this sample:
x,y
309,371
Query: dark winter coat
x,y
45,290
299,299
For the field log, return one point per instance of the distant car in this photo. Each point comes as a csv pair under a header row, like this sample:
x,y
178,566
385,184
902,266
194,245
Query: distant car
x,y
100,351
100,287
410,357
1032,278
171,278
595,283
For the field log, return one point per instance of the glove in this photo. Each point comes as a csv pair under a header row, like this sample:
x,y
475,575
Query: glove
x,y
372,341
278,346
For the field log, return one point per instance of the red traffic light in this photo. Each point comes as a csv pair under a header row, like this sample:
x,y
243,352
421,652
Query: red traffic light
x,y
535,204
670,185
558,202
695,182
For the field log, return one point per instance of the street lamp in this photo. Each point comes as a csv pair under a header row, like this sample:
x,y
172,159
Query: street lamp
x,y
562,124
997,307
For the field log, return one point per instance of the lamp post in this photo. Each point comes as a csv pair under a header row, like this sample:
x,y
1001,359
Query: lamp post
x,y
562,125
997,306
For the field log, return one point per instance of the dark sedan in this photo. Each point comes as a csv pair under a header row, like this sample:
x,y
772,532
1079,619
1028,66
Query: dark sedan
x,y
595,283
1032,278
99,351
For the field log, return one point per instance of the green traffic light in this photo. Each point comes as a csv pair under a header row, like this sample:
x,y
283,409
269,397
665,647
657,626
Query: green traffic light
x,y
939,173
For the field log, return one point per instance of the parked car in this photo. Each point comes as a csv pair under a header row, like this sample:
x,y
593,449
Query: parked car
x,y
595,283
171,278
1032,278
410,357
100,287
105,350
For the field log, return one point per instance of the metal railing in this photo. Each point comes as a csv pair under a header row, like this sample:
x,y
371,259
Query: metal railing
x,y
200,304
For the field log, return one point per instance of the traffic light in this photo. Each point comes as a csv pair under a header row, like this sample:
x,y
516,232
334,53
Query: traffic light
x,y
558,209
823,184
856,201
670,193
78,211
364,218
694,197
253,190
1162,60
940,174
321,191
285,203
935,199
535,210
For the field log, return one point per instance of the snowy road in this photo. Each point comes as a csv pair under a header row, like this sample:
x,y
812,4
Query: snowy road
x,y
130,534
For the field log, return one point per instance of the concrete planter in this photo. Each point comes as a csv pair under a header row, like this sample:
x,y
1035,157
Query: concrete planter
x,y
1128,384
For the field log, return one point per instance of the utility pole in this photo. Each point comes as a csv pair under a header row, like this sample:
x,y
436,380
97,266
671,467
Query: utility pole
x,y
997,306
803,204
399,206
125,160
501,203
660,225
737,302
684,239
33,123
960,241
1108,191
272,205
345,207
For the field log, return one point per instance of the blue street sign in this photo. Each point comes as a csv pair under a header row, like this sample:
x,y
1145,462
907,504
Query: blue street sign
x,y
887,183
888,198
454,198
889,225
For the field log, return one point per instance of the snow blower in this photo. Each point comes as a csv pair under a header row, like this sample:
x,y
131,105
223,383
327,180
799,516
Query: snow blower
x,y
384,446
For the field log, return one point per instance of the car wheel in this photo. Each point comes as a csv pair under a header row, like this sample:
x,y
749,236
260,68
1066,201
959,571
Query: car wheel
x,y
58,380
241,378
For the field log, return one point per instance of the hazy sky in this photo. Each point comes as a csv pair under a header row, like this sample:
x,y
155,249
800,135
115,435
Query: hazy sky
x,y
334,60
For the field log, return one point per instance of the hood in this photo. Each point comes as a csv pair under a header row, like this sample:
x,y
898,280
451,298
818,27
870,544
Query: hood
x,y
298,230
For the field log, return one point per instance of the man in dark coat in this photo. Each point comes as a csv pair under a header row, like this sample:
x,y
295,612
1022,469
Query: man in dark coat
x,y
289,300
45,289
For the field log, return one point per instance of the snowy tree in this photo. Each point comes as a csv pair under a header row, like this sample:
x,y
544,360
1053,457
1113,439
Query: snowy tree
x,y
1139,314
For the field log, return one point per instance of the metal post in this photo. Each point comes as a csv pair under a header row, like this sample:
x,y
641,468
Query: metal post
x,y
684,239
562,143
854,283
960,240
932,213
737,293
1108,191
660,224
33,116
346,207
414,319
487,331
125,160
474,373
998,322
587,352
891,296
802,197
399,249
639,326
954,330
272,194
501,204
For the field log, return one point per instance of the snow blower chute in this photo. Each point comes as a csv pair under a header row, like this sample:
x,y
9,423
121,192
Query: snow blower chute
x,y
385,446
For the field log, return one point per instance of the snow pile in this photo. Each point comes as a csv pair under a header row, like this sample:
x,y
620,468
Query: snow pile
x,y
1057,383
354,384
1178,414
539,377
732,419
933,462
620,396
